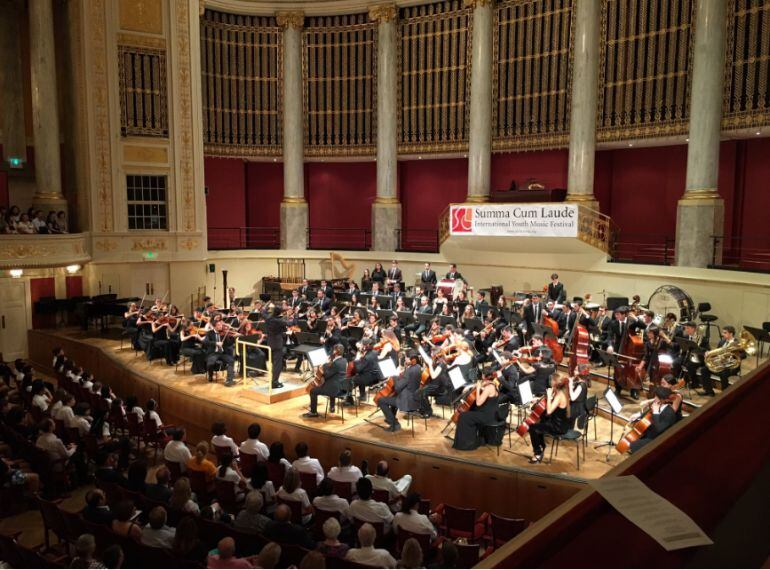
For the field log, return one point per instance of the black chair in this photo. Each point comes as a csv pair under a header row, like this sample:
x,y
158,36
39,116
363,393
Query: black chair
x,y
707,320
494,432
339,401
570,435
410,416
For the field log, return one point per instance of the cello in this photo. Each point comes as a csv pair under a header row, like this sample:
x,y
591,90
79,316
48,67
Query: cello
x,y
581,341
537,411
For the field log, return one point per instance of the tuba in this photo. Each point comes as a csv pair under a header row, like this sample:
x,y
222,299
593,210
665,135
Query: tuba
x,y
729,357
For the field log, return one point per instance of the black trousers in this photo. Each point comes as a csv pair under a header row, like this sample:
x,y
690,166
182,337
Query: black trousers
x,y
432,389
389,409
217,359
172,351
277,361
325,389
724,379
537,435
362,381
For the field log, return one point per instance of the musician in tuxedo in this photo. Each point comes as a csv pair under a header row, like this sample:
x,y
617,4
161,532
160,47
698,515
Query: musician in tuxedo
x,y
275,328
453,273
480,305
220,351
334,375
417,327
728,339
395,294
533,313
692,360
304,290
367,372
394,274
663,417
327,289
566,320
617,329
322,303
405,398
428,279
544,369
556,291
295,300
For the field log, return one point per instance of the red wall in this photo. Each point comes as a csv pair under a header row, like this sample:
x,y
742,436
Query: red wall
x,y
226,200
427,186
39,288
264,192
549,167
74,286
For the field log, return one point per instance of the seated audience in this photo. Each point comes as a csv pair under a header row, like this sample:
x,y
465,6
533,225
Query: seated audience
x,y
187,543
253,446
160,491
260,482
96,510
345,472
221,439
411,554
291,490
228,471
200,462
367,554
84,553
282,530
269,556
176,450
251,519
137,477
113,557
328,500
123,523
396,489
157,533
224,556
410,519
330,545
306,464
106,470
181,497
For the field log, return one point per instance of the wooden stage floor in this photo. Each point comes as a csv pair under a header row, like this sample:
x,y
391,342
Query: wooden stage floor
x,y
431,441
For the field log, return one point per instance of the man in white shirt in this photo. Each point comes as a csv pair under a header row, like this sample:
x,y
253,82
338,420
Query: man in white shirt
x,y
176,450
306,464
253,446
48,442
367,554
345,472
366,509
396,489
221,439
157,533
65,413
328,500
410,519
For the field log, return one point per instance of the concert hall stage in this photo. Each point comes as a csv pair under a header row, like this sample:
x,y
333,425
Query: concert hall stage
x,y
190,400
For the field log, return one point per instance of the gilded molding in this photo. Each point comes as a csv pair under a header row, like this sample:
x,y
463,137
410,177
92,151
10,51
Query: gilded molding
x,y
184,95
295,19
42,251
386,200
188,244
140,154
477,3
293,200
142,245
23,251
383,13
142,16
137,40
580,198
106,245
99,90
477,199
700,196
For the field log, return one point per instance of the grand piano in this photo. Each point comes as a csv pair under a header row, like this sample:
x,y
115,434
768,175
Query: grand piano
x,y
98,309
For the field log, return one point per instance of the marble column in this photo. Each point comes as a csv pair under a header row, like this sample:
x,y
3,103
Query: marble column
x,y
700,212
45,107
582,133
11,97
294,210
386,210
480,137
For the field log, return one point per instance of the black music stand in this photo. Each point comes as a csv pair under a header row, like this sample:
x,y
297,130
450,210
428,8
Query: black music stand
x,y
242,301
615,407
610,360
409,302
445,320
385,300
762,337
384,315
405,318
473,324
343,297
425,318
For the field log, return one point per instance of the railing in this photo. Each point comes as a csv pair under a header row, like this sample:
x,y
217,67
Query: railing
x,y
743,253
339,238
244,238
644,248
18,251
417,240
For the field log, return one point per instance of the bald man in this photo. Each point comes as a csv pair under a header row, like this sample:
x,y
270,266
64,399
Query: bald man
x,y
283,531
224,556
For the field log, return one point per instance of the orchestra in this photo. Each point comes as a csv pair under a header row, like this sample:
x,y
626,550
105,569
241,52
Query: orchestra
x,y
471,356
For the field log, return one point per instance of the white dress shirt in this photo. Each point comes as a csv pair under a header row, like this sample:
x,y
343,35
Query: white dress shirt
x,y
309,465
394,488
414,522
371,511
255,447
64,414
349,474
370,556
333,504
299,495
40,401
139,413
55,447
156,418
178,452
225,441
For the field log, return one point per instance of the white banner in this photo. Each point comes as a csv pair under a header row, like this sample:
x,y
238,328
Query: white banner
x,y
538,220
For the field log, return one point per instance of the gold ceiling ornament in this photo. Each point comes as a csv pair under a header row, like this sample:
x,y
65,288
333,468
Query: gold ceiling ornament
x,y
383,13
150,243
477,3
295,19
24,251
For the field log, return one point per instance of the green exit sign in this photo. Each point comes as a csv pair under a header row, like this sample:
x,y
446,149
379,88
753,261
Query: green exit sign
x,y
15,162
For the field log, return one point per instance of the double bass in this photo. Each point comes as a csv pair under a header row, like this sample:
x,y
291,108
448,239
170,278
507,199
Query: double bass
x,y
581,341
631,352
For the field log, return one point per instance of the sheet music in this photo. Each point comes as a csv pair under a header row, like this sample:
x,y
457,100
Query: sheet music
x,y
458,380
525,392
388,368
318,356
667,524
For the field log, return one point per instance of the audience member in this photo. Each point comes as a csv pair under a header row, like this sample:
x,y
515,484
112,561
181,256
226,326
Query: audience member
x,y
364,508
96,510
260,482
51,444
282,530
157,533
106,469
85,546
181,498
396,489
137,476
291,490
410,519
187,543
160,491
411,554
113,556
367,554
253,446
328,500
221,439
306,464
313,559
346,472
330,545
123,523
251,519
177,451
200,462
269,556
224,556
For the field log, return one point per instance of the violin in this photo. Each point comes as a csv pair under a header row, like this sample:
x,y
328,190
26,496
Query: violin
x,y
439,338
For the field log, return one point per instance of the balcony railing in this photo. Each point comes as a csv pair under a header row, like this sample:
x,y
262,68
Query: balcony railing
x,y
339,238
44,250
743,253
644,248
244,238
417,240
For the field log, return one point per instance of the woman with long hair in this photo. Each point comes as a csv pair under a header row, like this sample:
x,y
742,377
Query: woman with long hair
x,y
555,421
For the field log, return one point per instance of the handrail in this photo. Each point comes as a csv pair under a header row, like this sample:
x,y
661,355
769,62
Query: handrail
x,y
742,253
357,239
644,248
247,237
417,240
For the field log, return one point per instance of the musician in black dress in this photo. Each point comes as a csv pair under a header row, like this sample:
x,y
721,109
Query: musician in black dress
x,y
191,347
334,376
578,392
543,371
129,323
405,398
367,372
174,344
275,327
378,275
219,352
469,434
554,421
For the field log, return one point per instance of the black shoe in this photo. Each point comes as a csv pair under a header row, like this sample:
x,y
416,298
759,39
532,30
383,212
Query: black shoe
x,y
634,394
426,415
310,415
618,392
704,393
277,385
230,383
536,459
211,377
395,427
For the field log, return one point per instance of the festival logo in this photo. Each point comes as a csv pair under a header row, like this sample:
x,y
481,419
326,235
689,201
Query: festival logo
x,y
462,220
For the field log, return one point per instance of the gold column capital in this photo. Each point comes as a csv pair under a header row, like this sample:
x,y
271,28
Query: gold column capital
x,y
383,13
695,195
294,19
386,200
476,198
477,3
293,200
